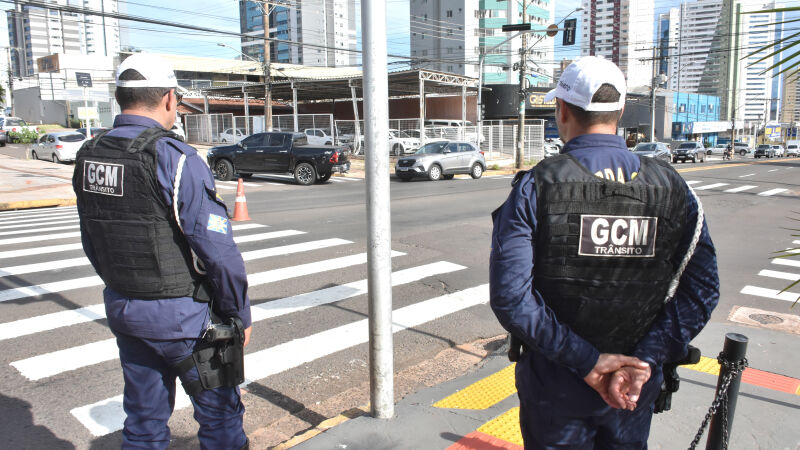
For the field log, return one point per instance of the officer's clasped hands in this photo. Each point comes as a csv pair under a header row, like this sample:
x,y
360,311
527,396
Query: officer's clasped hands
x,y
618,379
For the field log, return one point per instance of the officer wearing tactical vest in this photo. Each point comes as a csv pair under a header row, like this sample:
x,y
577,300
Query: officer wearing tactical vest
x,y
603,267
159,237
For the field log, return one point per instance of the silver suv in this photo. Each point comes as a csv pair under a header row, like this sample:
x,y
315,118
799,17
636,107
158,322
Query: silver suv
x,y
441,159
689,151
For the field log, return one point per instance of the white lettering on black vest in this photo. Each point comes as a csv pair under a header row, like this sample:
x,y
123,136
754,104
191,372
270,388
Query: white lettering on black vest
x,y
103,178
618,236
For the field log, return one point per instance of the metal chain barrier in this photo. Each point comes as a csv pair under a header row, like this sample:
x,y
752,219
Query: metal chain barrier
x,y
732,369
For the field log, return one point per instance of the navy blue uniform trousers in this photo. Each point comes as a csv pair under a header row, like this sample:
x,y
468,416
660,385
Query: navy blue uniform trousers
x,y
149,397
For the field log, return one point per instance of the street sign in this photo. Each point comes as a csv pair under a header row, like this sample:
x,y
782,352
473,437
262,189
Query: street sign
x,y
569,31
84,79
85,113
516,27
95,95
552,30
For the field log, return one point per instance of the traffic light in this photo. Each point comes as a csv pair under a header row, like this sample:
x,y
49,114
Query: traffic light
x,y
483,111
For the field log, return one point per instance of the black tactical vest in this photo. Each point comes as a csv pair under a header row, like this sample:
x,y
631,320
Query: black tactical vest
x,y
604,249
141,253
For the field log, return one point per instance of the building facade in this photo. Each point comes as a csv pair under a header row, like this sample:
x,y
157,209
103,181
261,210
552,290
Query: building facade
x,y
454,35
790,100
326,35
621,31
36,32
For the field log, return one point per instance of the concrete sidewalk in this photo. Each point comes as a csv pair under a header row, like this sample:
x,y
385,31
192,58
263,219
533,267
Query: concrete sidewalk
x,y
479,409
26,183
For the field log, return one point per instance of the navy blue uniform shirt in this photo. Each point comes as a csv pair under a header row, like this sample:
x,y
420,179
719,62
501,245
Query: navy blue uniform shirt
x,y
560,358
206,227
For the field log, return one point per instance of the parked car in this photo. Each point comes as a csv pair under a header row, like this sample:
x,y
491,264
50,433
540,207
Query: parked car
x,y
442,159
741,148
779,151
718,149
278,153
231,136
15,124
470,133
551,149
655,150
693,151
793,148
177,128
764,150
3,138
401,142
318,136
58,147
95,130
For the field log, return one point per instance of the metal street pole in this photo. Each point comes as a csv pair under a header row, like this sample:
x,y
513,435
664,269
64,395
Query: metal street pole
x,y
522,65
379,238
653,100
267,75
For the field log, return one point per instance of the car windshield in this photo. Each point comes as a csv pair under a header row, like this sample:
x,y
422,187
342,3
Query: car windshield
x,y
763,147
14,122
72,137
433,147
400,134
687,145
644,148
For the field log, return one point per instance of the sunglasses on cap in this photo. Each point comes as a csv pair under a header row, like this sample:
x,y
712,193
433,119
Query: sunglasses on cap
x,y
178,95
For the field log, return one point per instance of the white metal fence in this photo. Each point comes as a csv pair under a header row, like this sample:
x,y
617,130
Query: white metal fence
x,y
206,128
500,139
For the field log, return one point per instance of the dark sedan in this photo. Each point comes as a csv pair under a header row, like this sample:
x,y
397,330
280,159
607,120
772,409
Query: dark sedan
x,y
657,150
764,150
693,151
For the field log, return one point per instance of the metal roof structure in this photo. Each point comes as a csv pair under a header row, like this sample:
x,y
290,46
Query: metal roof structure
x,y
310,88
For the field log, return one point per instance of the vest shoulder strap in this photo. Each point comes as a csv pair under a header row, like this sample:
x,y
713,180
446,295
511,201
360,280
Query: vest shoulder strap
x,y
147,136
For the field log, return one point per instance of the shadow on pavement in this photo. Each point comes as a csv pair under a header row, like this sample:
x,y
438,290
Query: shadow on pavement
x,y
19,431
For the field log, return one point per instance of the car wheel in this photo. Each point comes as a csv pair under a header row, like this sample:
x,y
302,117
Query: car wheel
x,y
708,152
476,171
435,173
674,160
305,174
397,150
56,159
694,159
3,144
34,155
448,177
224,169
742,152
324,177
245,175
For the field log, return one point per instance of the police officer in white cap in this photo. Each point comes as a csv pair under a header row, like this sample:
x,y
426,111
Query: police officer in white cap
x,y
158,235
603,267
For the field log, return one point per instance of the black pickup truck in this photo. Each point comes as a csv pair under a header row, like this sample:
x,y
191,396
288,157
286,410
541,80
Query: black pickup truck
x,y
278,153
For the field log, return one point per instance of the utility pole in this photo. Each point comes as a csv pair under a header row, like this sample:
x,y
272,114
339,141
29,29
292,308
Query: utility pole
x,y
266,68
653,99
523,51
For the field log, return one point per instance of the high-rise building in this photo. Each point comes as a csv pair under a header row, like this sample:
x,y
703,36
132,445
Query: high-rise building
x,y
451,35
320,33
790,100
668,39
693,31
621,31
35,32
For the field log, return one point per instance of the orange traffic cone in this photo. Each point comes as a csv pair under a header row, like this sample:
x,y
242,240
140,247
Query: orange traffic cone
x,y
240,210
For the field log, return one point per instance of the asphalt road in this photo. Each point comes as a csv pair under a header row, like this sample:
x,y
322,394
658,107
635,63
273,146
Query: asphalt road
x,y
308,355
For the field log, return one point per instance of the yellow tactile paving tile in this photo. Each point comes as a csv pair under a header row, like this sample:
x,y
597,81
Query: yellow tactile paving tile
x,y
483,393
706,365
505,427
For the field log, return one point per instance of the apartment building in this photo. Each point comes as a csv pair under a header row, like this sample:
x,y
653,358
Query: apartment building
x,y
35,32
790,100
621,31
321,33
453,35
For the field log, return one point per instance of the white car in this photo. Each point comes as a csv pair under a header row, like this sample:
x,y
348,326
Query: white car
x,y
231,136
401,142
779,151
58,147
178,129
318,136
718,149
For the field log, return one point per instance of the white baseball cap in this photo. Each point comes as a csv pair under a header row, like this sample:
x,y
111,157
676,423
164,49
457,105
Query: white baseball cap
x,y
581,80
157,72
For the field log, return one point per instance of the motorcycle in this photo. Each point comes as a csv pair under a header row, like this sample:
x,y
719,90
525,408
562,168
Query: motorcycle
x,y
728,154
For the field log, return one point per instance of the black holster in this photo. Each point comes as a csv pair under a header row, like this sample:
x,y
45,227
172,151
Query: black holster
x,y
218,357
515,348
672,381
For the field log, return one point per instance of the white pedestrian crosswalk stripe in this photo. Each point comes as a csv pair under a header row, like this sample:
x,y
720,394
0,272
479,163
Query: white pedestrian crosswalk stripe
x,y
773,294
36,212
741,188
692,182
40,250
786,261
745,176
39,230
772,192
43,221
45,237
710,186
107,416
779,275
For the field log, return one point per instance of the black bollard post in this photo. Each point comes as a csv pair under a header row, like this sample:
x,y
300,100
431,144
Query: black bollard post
x,y
722,422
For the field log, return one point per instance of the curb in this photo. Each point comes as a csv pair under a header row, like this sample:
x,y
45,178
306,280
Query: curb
x,y
323,427
43,203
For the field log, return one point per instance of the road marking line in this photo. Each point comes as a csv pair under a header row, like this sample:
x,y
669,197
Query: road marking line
x,y
40,250
107,416
52,321
710,186
772,192
745,176
285,273
39,230
266,178
42,219
741,188
263,236
226,187
770,293
773,170
483,393
53,363
693,182
46,237
236,183
36,211
41,267
28,224
247,226
293,248
779,275
786,262
796,242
